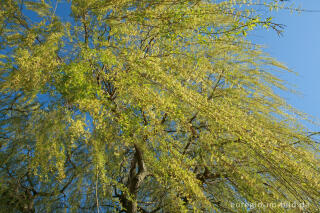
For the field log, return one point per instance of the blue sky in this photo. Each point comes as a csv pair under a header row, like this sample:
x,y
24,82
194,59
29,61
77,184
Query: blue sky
x,y
299,49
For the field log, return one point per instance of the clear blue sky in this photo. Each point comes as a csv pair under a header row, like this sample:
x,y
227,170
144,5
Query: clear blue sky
x,y
299,49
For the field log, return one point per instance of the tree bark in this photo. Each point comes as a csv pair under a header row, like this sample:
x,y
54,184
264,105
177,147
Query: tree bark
x,y
137,174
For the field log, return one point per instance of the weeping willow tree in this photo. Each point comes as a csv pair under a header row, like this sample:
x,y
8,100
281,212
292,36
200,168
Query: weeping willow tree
x,y
147,106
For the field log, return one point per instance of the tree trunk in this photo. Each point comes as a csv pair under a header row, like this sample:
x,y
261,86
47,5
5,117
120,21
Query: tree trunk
x,y
134,181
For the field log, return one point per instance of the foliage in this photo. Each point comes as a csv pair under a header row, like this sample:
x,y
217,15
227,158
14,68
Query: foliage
x,y
146,106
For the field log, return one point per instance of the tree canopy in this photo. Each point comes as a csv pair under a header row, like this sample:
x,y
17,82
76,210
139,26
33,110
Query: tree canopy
x,y
147,106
